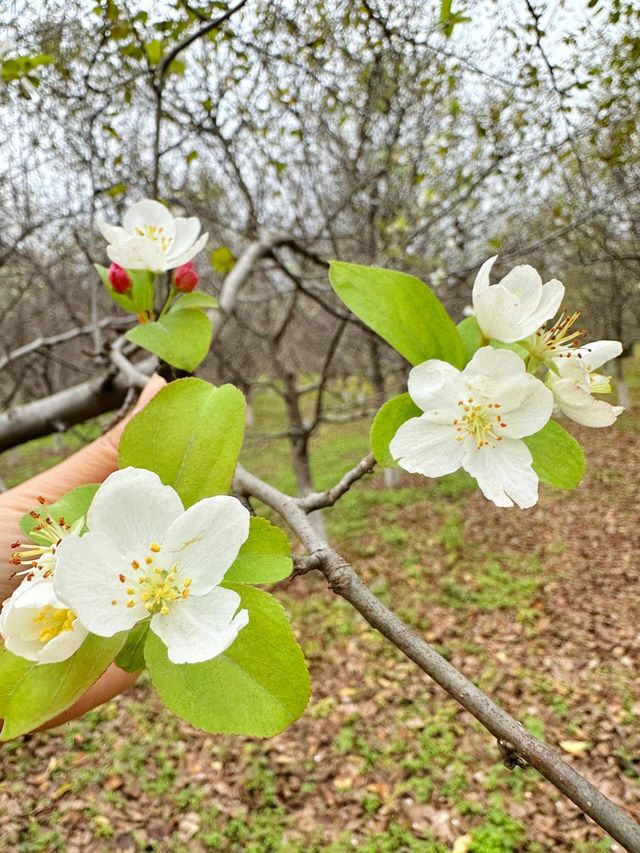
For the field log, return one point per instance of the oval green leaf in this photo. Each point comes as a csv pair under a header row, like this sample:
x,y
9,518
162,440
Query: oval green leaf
x,y
401,309
31,694
181,338
190,434
558,459
471,336
195,299
264,558
258,687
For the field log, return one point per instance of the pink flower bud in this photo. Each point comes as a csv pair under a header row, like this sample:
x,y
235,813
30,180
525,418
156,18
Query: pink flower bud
x,y
185,278
119,278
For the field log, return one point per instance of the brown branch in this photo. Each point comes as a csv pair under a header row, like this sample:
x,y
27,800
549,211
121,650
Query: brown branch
x,y
318,500
189,40
521,744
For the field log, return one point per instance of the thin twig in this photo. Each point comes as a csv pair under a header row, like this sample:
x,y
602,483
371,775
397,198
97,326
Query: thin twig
x,y
136,378
318,500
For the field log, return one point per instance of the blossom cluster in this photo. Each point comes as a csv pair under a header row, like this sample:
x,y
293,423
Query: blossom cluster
x,y
142,558
153,240
477,418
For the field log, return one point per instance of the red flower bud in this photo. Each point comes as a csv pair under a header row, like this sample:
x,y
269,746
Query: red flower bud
x,y
119,278
185,278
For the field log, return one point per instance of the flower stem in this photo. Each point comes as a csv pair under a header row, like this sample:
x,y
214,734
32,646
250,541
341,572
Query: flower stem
x,y
166,305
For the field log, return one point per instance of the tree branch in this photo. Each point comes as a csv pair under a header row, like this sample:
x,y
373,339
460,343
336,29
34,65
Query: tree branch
x,y
244,265
344,581
63,337
318,500
103,393
136,378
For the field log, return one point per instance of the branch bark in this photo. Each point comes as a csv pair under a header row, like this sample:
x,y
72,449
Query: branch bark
x,y
103,393
345,582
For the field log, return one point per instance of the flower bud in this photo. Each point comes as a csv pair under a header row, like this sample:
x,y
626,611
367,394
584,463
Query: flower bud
x,y
119,278
185,278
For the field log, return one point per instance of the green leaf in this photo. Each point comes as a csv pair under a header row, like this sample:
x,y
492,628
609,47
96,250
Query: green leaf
x,y
12,670
71,507
131,656
154,51
190,434
401,309
264,558
223,260
195,299
31,694
181,338
257,687
558,459
471,336
386,423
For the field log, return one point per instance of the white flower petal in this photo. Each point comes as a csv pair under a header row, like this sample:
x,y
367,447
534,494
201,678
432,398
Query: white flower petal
x,y
187,231
482,280
148,212
200,627
112,233
138,253
597,353
204,541
498,314
550,300
535,407
27,649
494,364
524,282
427,378
498,375
88,580
423,447
503,472
64,645
590,412
175,260
133,508
21,630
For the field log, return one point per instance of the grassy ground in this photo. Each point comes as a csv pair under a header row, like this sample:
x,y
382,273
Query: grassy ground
x,y
538,607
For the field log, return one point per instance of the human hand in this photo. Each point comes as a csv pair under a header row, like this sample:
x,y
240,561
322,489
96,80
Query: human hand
x,y
92,464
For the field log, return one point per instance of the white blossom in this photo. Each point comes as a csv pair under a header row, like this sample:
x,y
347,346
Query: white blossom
x,y
517,306
145,556
36,625
573,380
152,239
475,419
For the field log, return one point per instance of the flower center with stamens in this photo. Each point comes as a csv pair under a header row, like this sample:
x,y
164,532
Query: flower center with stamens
x,y
40,558
558,341
599,383
155,587
481,421
156,234
53,621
